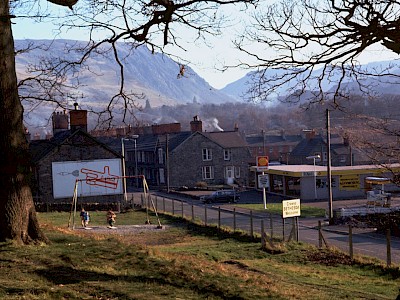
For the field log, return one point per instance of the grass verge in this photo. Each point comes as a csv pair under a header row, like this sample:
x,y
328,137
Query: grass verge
x,y
183,261
276,208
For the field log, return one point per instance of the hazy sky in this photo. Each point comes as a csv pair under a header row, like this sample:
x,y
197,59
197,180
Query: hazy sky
x,y
205,60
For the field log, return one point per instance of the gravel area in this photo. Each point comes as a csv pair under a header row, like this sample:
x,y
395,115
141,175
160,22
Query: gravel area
x,y
121,229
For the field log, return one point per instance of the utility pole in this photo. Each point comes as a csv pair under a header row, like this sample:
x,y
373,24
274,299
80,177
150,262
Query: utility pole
x,y
329,171
167,161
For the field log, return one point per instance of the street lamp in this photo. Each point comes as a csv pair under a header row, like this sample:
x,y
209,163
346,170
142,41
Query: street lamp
x,y
314,157
133,137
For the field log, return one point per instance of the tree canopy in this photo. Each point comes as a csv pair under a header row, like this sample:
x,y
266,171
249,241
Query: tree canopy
x,y
303,36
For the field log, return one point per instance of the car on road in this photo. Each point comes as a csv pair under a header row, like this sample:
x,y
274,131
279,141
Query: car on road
x,y
229,196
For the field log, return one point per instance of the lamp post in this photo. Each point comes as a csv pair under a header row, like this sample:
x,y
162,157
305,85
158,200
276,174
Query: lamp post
x,y
133,137
314,157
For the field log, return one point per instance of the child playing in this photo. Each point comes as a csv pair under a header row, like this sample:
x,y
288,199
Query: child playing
x,y
84,217
111,218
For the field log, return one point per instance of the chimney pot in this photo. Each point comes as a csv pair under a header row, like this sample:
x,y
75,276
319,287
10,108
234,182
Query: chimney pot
x,y
196,125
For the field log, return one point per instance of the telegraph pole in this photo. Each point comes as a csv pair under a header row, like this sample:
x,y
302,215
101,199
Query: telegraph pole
x,y
329,173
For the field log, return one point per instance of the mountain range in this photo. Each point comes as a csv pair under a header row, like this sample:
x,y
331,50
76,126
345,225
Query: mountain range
x,y
160,79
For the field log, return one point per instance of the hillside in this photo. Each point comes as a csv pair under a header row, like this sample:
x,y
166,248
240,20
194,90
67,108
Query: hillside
x,y
152,76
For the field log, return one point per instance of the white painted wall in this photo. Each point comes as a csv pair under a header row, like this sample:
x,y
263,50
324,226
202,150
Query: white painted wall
x,y
99,177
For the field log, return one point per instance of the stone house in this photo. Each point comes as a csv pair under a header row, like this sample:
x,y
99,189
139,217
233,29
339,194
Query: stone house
x,y
171,158
215,158
277,147
72,154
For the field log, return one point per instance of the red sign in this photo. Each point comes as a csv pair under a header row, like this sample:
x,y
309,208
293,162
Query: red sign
x,y
262,163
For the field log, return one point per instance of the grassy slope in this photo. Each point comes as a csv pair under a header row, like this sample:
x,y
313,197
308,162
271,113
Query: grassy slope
x,y
181,262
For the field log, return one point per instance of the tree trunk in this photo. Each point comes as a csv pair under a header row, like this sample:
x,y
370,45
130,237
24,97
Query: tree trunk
x,y
18,220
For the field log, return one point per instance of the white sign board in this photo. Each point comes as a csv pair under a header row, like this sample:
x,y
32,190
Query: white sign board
x,y
263,181
99,177
291,208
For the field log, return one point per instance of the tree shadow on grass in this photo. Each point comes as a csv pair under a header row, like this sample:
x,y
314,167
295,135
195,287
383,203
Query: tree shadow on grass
x,y
64,275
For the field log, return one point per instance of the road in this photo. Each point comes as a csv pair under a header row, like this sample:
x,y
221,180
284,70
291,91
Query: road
x,y
366,241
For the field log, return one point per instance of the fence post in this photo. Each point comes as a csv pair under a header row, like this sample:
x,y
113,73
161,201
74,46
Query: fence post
x,y
319,235
156,203
219,217
205,214
271,223
192,212
263,243
388,248
173,207
251,224
182,208
283,229
351,253
234,219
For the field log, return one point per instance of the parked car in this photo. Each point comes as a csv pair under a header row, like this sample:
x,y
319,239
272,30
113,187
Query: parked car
x,y
229,196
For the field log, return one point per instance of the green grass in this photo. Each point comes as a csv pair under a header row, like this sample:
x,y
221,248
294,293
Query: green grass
x,y
276,208
98,218
183,261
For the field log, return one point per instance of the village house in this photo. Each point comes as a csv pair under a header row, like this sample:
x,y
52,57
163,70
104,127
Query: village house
x,y
73,154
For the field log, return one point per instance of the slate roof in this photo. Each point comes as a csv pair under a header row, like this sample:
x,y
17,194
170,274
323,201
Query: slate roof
x,y
40,148
227,139
259,140
306,146
150,142
174,139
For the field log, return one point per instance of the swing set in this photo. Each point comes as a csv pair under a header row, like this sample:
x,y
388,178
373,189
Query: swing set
x,y
80,182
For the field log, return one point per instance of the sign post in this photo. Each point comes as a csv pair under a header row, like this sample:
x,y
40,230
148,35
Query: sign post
x,y
291,208
262,165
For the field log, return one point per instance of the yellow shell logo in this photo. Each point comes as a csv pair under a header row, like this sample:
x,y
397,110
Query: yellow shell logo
x,y
262,161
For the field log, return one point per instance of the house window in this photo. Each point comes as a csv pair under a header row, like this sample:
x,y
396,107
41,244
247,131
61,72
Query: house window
x,y
160,156
143,157
237,172
162,176
227,154
207,154
229,172
208,172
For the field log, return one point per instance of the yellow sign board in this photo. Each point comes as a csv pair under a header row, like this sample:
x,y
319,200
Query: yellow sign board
x,y
349,182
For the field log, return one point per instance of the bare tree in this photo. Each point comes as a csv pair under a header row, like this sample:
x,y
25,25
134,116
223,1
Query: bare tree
x,y
135,21
307,44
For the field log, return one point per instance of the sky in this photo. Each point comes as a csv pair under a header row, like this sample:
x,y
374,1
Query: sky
x,y
205,60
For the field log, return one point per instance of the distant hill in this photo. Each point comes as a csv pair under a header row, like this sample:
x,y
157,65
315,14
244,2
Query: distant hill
x,y
379,85
153,74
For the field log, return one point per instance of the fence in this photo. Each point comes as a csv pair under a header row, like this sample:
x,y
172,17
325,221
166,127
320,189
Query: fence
x,y
271,227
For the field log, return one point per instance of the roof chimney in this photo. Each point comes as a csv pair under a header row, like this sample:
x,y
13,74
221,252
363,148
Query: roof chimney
x,y
236,128
78,119
60,122
310,134
196,124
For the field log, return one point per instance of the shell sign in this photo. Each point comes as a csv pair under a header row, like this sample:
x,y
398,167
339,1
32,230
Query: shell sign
x,y
262,163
